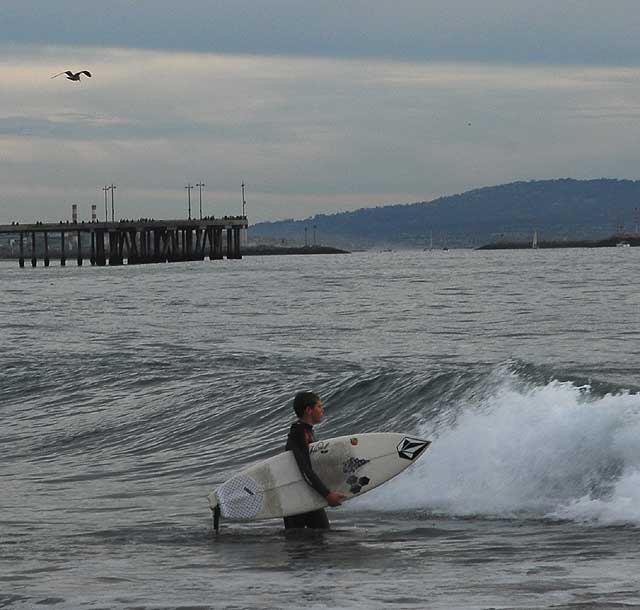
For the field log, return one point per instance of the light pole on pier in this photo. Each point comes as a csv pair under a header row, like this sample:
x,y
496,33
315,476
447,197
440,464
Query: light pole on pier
x,y
244,203
112,188
189,188
106,213
200,185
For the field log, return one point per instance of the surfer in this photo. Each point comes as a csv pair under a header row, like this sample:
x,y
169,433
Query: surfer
x,y
308,408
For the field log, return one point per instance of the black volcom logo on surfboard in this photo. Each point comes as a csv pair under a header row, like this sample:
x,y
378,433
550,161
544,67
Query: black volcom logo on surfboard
x,y
411,448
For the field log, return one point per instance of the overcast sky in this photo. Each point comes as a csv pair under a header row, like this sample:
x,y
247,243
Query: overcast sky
x,y
318,107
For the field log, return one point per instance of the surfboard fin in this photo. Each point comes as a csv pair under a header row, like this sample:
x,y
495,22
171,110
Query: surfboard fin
x,y
216,518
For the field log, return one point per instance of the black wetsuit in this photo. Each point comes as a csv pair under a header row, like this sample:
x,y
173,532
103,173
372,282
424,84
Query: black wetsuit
x,y
300,435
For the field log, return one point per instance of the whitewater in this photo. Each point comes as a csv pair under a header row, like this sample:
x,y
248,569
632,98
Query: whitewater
x,y
127,394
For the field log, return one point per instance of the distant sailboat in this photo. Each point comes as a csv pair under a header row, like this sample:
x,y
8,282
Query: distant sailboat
x,y
534,243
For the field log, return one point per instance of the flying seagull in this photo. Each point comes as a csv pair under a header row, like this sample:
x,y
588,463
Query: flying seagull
x,y
74,76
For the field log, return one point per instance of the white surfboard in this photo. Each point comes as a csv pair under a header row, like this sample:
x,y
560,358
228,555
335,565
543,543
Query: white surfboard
x,y
350,465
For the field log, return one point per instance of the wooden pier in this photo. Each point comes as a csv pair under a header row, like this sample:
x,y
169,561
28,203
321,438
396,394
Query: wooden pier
x,y
136,242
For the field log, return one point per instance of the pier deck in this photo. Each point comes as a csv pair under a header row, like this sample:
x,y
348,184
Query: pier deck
x,y
138,242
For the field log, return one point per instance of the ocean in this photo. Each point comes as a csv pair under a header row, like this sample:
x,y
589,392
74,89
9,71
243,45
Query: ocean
x,y
127,394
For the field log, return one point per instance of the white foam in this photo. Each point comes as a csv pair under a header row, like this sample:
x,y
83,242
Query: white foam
x,y
622,507
550,451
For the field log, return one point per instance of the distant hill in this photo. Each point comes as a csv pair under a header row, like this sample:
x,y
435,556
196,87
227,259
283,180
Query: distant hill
x,y
556,209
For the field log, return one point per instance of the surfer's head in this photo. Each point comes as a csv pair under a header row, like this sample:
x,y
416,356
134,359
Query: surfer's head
x,y
307,404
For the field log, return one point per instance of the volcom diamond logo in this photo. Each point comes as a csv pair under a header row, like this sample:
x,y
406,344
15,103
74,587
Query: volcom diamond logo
x,y
411,448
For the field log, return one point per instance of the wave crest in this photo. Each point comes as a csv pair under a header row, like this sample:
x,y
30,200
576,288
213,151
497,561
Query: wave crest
x,y
553,450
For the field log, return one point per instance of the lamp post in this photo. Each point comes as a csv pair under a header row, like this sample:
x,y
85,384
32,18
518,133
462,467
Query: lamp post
x,y
189,187
244,203
200,185
106,213
112,188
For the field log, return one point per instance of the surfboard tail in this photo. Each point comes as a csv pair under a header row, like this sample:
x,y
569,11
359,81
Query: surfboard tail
x,y
214,505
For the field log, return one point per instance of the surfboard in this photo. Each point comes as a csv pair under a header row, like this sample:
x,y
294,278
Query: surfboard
x,y
350,465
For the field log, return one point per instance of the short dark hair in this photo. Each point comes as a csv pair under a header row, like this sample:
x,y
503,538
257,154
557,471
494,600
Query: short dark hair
x,y
304,400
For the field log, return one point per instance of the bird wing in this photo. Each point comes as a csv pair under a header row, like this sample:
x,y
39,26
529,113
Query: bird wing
x,y
85,72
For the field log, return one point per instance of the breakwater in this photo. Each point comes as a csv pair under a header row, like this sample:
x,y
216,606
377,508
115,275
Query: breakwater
x,y
275,250
609,242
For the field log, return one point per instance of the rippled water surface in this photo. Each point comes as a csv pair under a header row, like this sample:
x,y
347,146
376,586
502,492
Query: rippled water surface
x,y
127,394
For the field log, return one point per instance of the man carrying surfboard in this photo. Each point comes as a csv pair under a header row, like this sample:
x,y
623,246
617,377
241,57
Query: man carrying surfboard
x,y
308,408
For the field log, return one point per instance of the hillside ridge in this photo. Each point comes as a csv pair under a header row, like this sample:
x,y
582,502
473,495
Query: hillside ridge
x,y
564,208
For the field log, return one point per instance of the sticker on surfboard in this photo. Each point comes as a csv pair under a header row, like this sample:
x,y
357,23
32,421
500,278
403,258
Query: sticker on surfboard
x,y
411,448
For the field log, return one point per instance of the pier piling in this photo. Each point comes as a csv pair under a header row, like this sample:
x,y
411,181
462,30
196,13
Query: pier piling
x,y
92,257
101,259
79,249
34,260
46,248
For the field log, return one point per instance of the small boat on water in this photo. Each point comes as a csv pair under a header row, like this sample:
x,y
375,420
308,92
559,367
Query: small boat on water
x,y
623,244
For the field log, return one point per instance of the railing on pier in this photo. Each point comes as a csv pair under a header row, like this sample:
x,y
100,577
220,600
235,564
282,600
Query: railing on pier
x,y
137,242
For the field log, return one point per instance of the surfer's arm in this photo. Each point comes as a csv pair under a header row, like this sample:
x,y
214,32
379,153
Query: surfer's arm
x,y
301,454
304,463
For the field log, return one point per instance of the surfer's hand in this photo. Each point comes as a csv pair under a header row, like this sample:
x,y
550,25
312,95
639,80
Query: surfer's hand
x,y
334,499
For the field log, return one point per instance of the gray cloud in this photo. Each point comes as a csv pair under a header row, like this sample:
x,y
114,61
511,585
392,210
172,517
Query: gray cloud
x,y
318,107
64,125
21,125
545,31
307,135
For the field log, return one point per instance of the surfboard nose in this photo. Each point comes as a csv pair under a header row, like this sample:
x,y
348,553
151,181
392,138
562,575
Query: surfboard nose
x,y
410,448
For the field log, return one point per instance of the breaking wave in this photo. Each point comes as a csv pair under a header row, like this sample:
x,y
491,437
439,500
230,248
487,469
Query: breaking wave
x,y
556,450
